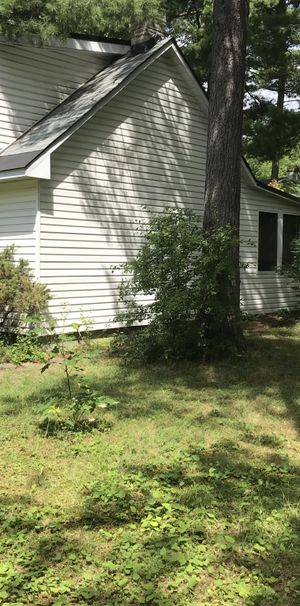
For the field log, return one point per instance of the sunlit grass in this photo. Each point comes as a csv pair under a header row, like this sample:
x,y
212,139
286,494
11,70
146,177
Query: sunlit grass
x,y
192,497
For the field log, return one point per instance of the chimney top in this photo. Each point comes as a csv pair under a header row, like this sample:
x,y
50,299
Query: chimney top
x,y
145,35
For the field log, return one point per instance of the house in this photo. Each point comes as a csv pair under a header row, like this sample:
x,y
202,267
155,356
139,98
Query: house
x,y
93,139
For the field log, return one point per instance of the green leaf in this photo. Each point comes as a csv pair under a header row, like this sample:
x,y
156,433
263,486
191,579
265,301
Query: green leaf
x,y
243,589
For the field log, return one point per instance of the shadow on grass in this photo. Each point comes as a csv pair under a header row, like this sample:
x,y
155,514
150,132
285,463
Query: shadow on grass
x,y
271,369
170,525
212,494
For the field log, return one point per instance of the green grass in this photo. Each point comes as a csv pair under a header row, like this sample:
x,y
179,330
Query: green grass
x,y
192,497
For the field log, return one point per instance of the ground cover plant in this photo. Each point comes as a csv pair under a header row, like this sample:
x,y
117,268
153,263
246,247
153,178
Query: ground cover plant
x,y
191,498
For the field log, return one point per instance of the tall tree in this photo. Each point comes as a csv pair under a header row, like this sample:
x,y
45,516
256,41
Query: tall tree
x,y
273,80
223,179
190,22
43,18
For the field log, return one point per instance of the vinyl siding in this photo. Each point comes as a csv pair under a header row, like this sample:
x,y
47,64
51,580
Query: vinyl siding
x,y
34,80
19,220
262,291
143,152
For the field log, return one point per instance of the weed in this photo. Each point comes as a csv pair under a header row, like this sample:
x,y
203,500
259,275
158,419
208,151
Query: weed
x,y
80,408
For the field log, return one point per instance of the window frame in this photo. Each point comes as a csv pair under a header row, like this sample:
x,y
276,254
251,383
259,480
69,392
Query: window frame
x,y
279,212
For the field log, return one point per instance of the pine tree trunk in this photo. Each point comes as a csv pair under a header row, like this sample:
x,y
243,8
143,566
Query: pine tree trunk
x,y
223,179
280,106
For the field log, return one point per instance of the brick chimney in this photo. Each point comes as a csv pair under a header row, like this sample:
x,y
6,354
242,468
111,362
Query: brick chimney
x,y
145,35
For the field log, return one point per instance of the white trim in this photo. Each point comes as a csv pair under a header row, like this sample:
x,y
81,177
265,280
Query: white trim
x,y
279,238
41,168
92,46
265,271
11,175
193,80
280,213
37,232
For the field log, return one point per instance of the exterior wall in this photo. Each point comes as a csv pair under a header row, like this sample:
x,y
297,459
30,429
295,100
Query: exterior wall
x,y
19,219
262,291
34,80
141,153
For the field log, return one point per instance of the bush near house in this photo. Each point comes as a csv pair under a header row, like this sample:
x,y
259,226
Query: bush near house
x,y
293,269
20,297
23,304
183,274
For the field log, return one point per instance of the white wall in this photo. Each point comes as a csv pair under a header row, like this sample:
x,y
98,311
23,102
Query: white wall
x,y
262,291
144,151
19,220
34,80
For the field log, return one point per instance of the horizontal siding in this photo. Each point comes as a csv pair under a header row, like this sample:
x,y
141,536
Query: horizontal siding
x,y
261,291
34,80
18,219
143,152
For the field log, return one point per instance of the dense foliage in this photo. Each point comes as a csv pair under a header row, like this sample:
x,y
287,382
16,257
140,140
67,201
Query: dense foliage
x,y
290,183
273,80
61,17
272,58
20,297
292,270
179,284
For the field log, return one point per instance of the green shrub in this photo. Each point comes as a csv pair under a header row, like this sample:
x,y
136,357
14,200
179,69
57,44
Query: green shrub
x,y
184,275
292,270
20,297
25,348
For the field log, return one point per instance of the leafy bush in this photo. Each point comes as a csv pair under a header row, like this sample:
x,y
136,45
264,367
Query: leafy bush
x,y
25,348
292,270
184,275
20,297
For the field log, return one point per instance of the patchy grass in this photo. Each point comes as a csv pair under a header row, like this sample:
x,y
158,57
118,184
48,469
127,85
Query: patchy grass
x,y
192,498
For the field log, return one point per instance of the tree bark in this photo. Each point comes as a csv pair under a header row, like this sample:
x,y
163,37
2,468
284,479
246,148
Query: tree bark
x,y
280,106
225,118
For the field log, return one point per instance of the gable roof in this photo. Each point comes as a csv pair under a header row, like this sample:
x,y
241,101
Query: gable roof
x,y
35,145
76,109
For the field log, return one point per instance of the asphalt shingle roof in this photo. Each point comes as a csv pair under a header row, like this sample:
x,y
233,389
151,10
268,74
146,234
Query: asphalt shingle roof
x,y
84,100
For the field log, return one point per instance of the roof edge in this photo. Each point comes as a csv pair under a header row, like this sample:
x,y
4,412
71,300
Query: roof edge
x,y
247,168
149,59
91,44
168,43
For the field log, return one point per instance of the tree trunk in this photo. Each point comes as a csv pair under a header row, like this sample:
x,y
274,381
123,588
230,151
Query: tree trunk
x,y
225,117
280,106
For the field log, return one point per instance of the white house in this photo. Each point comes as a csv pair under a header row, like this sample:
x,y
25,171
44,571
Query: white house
x,y
94,138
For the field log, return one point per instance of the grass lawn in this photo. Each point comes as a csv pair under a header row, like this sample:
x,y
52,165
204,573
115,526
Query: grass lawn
x,y
191,498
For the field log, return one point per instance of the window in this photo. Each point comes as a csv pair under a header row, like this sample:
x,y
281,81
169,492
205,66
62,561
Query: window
x,y
267,241
291,230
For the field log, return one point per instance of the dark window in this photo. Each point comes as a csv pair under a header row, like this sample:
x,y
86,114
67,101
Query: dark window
x,y
291,230
267,241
